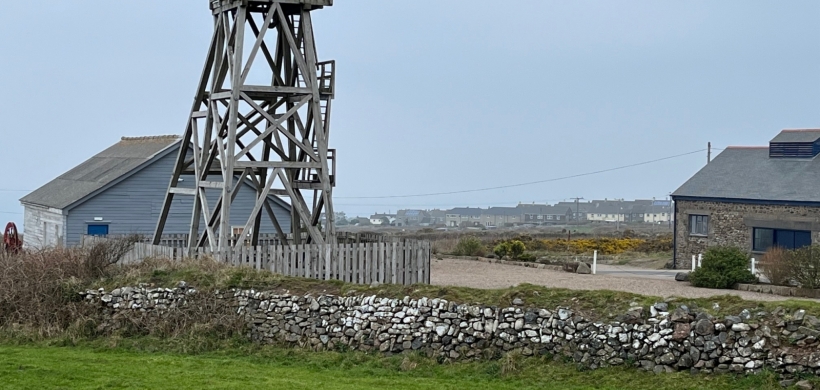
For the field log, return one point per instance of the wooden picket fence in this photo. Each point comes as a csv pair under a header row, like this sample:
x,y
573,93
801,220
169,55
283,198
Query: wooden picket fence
x,y
404,263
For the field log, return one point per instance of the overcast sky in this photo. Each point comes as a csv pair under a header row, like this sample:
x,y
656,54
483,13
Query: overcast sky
x,y
434,95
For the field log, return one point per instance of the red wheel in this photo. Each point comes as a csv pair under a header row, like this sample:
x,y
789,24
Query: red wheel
x,y
11,239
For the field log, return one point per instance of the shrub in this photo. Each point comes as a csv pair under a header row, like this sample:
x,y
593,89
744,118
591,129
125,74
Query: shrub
x,y
527,257
775,265
517,249
804,264
502,249
722,267
469,246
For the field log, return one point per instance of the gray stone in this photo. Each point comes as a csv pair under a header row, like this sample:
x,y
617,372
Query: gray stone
x,y
685,361
647,365
804,385
441,330
668,358
583,268
661,306
682,276
731,320
799,316
530,318
680,315
704,327
745,315
809,332
518,301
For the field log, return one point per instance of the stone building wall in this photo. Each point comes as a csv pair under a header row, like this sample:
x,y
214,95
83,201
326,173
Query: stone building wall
x,y
732,223
655,338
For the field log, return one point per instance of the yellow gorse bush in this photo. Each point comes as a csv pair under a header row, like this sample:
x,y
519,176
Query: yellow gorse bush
x,y
604,245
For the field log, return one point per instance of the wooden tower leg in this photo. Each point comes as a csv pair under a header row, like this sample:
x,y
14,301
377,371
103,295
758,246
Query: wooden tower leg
x,y
271,136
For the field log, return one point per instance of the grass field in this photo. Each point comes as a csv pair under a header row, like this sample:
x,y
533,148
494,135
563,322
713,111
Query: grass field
x,y
98,367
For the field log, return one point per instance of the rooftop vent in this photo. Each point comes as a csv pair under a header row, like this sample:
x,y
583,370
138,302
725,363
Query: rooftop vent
x,y
802,143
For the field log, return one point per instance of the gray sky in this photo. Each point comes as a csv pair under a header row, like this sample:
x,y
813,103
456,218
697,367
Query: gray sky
x,y
433,95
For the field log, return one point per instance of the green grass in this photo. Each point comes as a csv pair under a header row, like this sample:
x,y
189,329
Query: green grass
x,y
98,367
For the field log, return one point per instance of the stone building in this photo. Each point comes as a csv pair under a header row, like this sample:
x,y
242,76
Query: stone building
x,y
753,198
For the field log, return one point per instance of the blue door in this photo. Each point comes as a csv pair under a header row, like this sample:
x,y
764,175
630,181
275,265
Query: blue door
x,y
97,230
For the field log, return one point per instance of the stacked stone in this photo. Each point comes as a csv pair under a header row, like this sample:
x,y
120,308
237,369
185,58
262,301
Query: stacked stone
x,y
659,341
139,298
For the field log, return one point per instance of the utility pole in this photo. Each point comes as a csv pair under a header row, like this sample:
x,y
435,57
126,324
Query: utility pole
x,y
708,152
577,216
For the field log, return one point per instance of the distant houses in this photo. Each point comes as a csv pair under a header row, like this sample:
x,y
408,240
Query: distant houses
x,y
596,211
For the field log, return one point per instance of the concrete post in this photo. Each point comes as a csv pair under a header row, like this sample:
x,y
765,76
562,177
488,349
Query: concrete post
x,y
595,262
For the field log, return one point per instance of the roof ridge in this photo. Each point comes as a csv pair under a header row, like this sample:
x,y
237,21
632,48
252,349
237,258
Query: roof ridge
x,y
799,130
747,147
151,137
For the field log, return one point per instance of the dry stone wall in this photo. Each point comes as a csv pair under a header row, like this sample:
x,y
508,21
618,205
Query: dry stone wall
x,y
653,338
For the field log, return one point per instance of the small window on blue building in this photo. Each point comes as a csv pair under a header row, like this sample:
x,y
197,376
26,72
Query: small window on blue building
x,y
97,230
763,239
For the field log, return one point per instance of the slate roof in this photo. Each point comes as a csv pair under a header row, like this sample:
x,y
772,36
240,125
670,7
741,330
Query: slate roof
x,y
582,206
99,171
502,211
797,135
608,208
542,209
749,174
469,211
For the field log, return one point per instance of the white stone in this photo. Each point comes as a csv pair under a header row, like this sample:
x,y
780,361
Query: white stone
x,y
564,314
741,327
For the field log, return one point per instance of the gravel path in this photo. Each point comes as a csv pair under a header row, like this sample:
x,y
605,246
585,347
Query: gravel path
x,y
467,273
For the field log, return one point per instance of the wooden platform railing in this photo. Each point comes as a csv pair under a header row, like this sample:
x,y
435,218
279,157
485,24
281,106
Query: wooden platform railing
x,y
364,263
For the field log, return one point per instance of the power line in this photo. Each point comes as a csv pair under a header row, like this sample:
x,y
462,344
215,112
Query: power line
x,y
523,184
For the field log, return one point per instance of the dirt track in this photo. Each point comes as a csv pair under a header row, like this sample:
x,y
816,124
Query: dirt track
x,y
467,273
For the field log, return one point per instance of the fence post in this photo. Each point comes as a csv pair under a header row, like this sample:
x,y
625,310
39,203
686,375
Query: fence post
x,y
694,263
594,261
753,266
700,260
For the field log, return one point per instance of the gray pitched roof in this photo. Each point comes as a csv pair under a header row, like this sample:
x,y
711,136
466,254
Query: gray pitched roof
x,y
469,211
542,209
607,207
502,211
99,171
749,174
797,135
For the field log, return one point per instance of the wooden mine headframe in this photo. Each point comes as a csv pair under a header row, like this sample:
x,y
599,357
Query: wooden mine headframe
x,y
271,134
